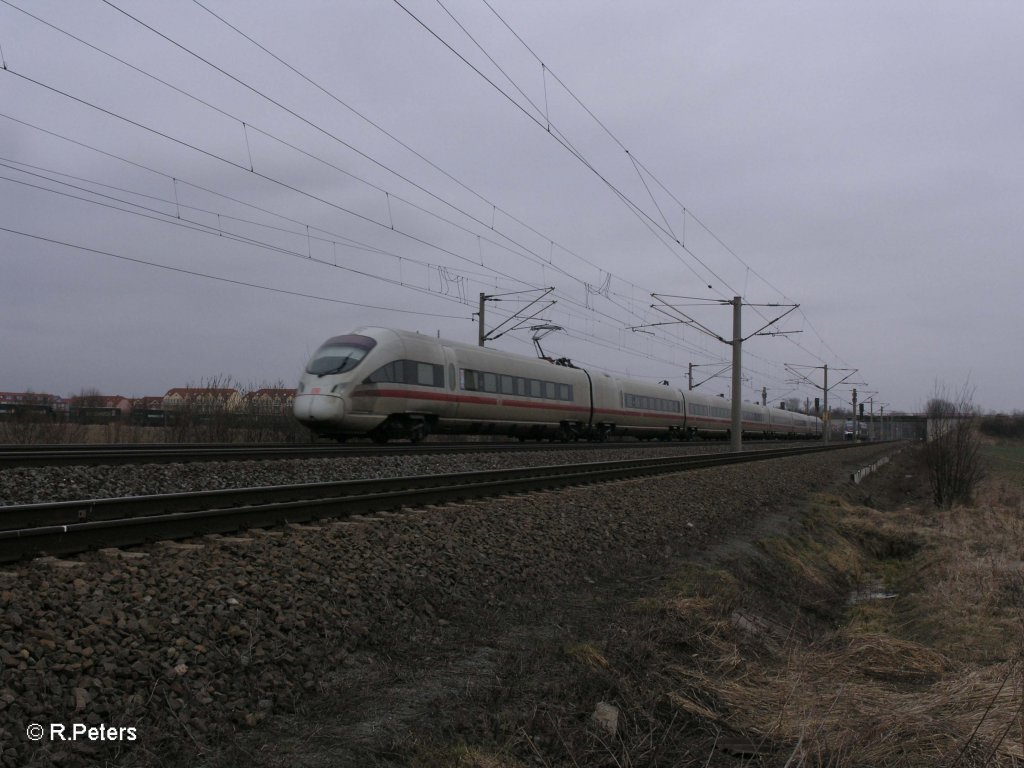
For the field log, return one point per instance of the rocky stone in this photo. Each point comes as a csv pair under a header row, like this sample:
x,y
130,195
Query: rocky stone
x,y
195,639
606,716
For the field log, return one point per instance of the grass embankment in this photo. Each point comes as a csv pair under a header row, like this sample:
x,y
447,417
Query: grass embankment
x,y
873,630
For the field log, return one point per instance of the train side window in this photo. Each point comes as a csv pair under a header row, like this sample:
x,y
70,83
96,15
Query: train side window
x,y
549,390
386,373
469,380
565,392
507,385
428,375
451,376
535,388
490,382
412,372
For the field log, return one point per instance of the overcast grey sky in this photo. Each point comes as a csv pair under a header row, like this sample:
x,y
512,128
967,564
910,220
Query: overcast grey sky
x,y
178,204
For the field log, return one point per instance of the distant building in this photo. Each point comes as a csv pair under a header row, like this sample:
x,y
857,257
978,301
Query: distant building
x,y
149,410
202,399
98,409
21,403
269,401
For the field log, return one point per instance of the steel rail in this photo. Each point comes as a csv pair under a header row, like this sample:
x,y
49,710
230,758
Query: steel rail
x,y
95,455
66,527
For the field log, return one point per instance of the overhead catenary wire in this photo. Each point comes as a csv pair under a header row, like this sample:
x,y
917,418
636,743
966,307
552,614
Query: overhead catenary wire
x,y
639,166
194,273
494,209
560,136
244,125
293,253
195,226
333,96
177,180
247,126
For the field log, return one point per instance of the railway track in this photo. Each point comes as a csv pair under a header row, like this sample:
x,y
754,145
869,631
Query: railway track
x,y
67,527
99,454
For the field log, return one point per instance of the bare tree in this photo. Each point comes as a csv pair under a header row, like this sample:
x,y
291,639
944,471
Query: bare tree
x,y
953,448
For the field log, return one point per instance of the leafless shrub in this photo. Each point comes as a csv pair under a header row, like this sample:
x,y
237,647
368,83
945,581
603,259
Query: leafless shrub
x,y
220,410
953,449
38,428
266,416
203,412
1003,425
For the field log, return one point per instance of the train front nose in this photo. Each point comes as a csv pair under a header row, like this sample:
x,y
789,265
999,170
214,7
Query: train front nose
x,y
312,409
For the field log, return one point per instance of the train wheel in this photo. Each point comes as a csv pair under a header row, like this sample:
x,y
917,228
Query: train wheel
x,y
419,431
568,433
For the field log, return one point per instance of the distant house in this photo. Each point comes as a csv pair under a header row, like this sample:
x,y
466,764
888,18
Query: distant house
x,y
149,410
202,399
15,403
269,401
98,409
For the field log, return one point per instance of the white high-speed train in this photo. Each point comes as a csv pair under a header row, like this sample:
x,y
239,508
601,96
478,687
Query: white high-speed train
x,y
388,384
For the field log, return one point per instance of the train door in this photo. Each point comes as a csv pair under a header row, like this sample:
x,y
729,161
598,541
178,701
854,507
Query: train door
x,y
607,405
451,385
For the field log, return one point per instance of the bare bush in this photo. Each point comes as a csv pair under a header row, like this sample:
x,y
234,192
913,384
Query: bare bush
x,y
266,415
1003,425
38,429
220,410
203,414
953,449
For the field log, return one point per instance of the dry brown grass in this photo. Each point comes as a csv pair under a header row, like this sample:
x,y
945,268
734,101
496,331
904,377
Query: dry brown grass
x,y
854,637
933,677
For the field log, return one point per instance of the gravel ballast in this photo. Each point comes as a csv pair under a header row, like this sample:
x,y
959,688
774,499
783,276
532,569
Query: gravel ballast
x,y
30,485
186,643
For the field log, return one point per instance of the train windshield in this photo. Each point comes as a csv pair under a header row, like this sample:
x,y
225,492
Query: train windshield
x,y
340,354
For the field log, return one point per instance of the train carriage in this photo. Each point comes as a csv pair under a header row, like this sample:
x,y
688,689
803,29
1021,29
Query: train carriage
x,y
642,409
386,384
503,394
